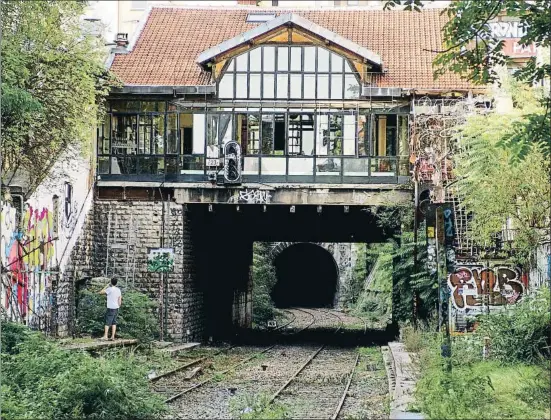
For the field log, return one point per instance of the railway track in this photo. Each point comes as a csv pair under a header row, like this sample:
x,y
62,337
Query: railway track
x,y
319,379
180,381
317,387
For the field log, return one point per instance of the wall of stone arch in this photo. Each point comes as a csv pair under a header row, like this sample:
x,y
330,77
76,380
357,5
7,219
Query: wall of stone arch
x,y
345,256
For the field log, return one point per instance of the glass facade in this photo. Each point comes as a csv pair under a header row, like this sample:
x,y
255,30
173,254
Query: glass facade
x,y
289,73
300,140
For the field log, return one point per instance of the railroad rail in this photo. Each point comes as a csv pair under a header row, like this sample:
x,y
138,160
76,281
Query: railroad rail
x,y
296,374
231,368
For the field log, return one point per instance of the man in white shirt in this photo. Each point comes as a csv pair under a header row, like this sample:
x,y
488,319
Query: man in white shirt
x,y
114,300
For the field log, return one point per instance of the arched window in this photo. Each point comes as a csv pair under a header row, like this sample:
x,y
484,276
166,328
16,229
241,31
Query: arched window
x,y
289,72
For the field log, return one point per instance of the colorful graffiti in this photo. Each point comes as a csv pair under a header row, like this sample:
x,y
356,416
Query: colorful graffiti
x,y
28,253
473,287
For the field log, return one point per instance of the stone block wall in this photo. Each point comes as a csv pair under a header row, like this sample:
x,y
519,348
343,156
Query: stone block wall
x,y
116,242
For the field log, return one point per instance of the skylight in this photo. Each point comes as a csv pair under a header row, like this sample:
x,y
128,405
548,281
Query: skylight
x,y
260,17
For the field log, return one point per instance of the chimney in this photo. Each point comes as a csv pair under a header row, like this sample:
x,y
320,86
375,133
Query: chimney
x,y
121,41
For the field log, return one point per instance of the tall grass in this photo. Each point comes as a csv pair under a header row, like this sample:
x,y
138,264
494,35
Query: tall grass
x,y
511,382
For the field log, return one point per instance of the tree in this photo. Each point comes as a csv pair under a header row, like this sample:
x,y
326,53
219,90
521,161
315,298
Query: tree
x,y
53,85
496,191
471,51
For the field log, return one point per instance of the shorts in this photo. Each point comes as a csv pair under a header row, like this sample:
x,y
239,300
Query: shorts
x,y
111,317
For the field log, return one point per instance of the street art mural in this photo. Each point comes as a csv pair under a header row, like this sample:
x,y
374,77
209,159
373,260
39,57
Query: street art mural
x,y
475,287
28,252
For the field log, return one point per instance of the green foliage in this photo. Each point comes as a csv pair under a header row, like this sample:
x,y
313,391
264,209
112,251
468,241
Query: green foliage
x,y
519,333
375,299
136,317
470,49
161,263
264,279
257,407
13,334
413,279
355,287
397,273
513,382
489,144
41,380
53,84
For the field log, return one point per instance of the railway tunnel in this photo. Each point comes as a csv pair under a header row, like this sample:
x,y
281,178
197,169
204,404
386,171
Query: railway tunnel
x,y
208,293
307,276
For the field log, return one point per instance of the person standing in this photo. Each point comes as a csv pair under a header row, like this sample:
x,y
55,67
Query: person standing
x,y
114,300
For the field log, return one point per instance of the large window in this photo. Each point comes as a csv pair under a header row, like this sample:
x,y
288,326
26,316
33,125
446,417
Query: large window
x,y
289,72
148,139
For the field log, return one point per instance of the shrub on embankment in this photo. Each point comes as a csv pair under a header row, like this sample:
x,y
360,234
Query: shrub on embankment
x,y
136,317
264,279
512,381
41,380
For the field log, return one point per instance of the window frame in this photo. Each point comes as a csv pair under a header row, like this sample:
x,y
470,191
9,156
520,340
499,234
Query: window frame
x,y
332,75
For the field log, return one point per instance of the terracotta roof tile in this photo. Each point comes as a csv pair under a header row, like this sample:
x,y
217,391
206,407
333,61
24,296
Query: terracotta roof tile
x,y
172,39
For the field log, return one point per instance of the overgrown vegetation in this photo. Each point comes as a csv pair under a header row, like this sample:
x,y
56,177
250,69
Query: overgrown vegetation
x,y
257,407
264,279
489,147
53,84
398,271
41,380
136,318
511,382
375,299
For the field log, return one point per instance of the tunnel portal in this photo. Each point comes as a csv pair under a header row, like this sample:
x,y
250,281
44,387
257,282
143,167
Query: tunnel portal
x,y
307,276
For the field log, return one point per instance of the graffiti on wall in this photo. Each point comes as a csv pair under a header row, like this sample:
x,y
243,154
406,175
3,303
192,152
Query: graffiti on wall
x,y
251,197
473,287
176,234
28,255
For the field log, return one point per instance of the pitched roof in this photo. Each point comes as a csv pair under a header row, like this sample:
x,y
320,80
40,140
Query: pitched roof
x,y
297,21
172,39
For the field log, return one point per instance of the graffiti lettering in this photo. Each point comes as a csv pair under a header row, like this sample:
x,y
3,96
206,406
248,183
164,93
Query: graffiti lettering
x,y
472,287
252,197
448,223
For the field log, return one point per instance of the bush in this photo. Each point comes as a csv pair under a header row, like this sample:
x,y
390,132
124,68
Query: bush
x,y
264,279
519,333
512,383
41,380
13,334
136,318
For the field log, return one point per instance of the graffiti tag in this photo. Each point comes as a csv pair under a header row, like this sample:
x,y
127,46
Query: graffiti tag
x,y
472,287
252,197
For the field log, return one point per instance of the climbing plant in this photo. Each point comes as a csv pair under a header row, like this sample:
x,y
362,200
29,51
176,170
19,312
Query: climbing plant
x,y
264,279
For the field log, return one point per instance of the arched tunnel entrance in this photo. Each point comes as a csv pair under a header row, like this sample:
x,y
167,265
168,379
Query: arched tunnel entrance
x,y
307,276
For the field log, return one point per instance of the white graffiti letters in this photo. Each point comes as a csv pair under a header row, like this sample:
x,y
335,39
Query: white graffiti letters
x,y
252,197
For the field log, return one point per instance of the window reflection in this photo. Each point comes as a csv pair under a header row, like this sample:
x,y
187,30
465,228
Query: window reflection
x,y
268,87
247,133
309,59
301,134
255,59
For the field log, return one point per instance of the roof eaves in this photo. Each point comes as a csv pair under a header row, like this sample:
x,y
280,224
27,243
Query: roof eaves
x,y
166,89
